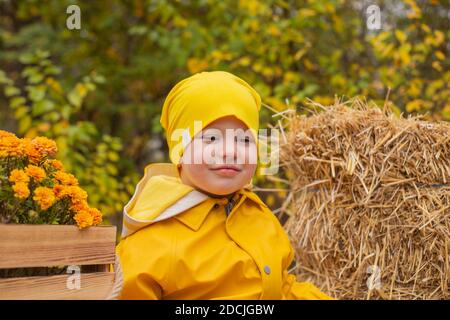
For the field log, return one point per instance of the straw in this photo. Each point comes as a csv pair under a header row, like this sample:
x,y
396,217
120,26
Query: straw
x,y
369,192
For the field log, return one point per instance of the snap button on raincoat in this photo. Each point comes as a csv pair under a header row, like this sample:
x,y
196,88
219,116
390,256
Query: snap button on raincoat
x,y
178,243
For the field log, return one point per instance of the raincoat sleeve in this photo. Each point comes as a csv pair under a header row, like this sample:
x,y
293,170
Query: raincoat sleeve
x,y
143,274
294,290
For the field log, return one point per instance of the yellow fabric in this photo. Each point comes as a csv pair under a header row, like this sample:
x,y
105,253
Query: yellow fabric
x,y
201,253
149,204
205,97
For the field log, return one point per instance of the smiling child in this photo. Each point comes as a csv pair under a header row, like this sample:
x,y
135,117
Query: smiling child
x,y
194,229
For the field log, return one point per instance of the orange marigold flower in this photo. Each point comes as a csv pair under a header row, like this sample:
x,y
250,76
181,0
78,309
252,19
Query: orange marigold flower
x,y
35,172
18,176
57,164
65,178
39,148
32,153
77,194
21,190
44,197
58,190
4,134
80,205
11,146
83,219
96,215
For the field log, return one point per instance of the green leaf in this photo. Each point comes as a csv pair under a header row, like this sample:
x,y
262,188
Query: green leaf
x,y
29,71
66,111
42,54
16,102
446,113
36,93
42,106
113,156
28,58
99,79
111,169
74,98
24,124
20,112
11,91
35,78
53,116
116,145
45,63
79,157
33,74
52,70
138,30
4,79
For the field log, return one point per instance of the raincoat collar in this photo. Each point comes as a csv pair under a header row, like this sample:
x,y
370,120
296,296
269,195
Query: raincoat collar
x,y
195,221
174,200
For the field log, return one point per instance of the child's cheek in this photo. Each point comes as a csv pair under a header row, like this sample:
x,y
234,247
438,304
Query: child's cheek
x,y
246,154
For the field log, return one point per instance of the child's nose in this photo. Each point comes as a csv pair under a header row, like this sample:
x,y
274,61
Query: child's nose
x,y
229,151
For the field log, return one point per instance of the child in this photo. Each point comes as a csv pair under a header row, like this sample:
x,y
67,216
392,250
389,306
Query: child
x,y
194,229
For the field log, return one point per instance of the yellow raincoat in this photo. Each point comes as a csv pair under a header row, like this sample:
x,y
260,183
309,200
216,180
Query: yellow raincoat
x,y
178,243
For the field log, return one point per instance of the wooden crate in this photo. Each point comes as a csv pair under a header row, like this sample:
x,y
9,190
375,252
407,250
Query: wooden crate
x,y
57,245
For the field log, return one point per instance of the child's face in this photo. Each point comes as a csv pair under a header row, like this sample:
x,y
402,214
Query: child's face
x,y
221,159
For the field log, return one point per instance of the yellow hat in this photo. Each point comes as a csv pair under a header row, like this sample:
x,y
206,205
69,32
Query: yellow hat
x,y
206,97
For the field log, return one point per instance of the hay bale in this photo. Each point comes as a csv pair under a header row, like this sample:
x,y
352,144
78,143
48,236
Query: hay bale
x,y
369,211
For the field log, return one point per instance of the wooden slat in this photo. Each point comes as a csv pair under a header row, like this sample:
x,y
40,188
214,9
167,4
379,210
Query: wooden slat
x,y
93,286
55,245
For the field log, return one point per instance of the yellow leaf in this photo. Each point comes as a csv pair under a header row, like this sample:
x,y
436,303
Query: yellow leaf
x,y
32,132
179,21
425,28
220,55
43,127
446,112
273,30
330,7
414,105
401,36
300,53
304,13
387,50
415,11
252,6
439,37
244,61
268,72
436,65
324,100
52,83
81,90
338,23
403,54
308,64
275,103
415,88
290,76
270,201
195,65
257,67
254,25
440,55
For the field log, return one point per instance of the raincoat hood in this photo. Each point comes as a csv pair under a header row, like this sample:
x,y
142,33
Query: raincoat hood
x,y
158,196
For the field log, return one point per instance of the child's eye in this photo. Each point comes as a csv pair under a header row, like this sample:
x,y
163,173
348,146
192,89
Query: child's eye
x,y
242,139
210,138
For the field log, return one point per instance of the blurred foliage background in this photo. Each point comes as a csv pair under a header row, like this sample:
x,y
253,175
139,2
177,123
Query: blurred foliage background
x,y
98,91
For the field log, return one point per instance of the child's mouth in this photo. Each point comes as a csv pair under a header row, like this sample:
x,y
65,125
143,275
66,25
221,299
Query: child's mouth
x,y
226,171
